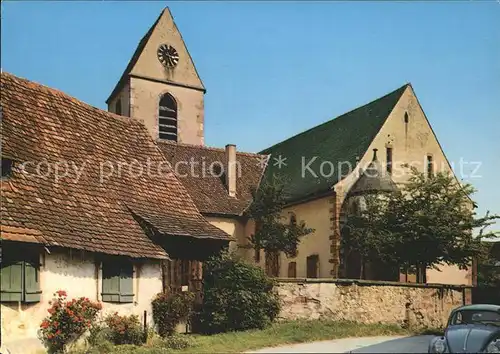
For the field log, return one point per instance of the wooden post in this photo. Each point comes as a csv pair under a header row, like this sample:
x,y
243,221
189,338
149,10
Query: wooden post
x,y
145,327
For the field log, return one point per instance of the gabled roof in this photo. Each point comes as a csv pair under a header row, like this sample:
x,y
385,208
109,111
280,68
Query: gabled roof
x,y
98,210
133,60
209,191
340,140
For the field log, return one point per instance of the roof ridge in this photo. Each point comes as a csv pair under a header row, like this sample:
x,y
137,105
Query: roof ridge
x,y
135,56
204,147
338,117
62,94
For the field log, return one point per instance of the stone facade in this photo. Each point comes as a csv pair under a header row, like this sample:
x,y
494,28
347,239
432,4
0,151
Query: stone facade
x,y
370,302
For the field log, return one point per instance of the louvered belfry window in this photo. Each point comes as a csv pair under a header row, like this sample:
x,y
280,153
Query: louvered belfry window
x,y
167,118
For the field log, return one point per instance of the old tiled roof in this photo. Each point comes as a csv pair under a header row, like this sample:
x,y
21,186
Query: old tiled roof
x,y
343,139
209,191
96,210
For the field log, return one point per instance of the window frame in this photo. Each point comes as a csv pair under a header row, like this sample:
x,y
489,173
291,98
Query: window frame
x,y
430,166
389,158
117,283
28,260
316,257
168,121
118,106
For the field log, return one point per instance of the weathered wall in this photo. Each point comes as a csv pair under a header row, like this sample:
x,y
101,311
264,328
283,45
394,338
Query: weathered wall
x,y
76,273
369,302
144,102
316,214
124,96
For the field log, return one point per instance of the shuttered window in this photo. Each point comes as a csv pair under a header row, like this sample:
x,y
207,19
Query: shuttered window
x,y
117,281
20,278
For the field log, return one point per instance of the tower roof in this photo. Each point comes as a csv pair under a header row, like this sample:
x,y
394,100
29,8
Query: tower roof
x,y
373,180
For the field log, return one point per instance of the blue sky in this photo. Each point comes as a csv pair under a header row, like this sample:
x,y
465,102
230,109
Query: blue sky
x,y
274,69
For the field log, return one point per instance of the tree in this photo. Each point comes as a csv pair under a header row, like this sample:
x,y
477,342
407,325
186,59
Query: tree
x,y
429,223
488,274
273,233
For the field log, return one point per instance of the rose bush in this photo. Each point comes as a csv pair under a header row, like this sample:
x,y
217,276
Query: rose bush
x,y
124,329
67,320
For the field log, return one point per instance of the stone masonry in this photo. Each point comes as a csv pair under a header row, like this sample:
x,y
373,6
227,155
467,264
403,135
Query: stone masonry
x,y
410,305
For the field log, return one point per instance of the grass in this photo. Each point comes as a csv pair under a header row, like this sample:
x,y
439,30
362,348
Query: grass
x,y
288,333
278,334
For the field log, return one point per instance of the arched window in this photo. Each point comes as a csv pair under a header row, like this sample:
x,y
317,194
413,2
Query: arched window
x,y
118,107
407,118
167,118
293,219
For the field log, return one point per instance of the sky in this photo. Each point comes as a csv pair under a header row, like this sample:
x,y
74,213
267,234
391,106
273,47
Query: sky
x,y
273,69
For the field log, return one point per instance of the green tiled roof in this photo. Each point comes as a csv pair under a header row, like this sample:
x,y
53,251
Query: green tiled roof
x,y
345,138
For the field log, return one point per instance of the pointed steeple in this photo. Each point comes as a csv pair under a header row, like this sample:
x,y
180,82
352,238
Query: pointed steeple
x,y
373,180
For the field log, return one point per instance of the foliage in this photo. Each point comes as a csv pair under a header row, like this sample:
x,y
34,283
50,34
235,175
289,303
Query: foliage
x,y
169,309
430,223
67,320
124,329
236,296
273,233
488,274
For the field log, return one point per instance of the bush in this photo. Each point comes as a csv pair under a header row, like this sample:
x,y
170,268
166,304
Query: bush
x,y
124,329
236,296
170,309
67,321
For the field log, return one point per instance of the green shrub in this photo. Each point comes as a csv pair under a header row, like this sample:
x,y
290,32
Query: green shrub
x,y
170,309
67,321
124,329
177,341
236,296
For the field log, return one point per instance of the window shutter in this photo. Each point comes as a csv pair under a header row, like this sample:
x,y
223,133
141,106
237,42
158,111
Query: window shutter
x,y
12,282
31,282
110,282
127,283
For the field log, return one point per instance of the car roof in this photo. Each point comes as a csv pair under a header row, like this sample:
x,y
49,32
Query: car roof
x,y
478,307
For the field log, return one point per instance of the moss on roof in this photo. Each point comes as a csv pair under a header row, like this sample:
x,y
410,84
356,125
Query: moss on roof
x,y
343,139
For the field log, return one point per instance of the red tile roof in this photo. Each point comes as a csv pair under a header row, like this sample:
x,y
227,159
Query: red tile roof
x,y
209,191
94,211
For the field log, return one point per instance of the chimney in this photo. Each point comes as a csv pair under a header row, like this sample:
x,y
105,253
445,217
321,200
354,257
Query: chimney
x,y
231,169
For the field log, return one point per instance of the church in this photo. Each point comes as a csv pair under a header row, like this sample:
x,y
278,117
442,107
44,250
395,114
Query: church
x,y
107,230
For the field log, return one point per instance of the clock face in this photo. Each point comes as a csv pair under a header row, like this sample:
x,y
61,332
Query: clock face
x,y
167,55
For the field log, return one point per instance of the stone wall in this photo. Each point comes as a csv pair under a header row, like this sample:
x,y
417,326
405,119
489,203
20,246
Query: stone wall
x,y
414,305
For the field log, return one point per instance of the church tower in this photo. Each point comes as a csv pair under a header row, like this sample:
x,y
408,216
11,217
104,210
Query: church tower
x,y
161,86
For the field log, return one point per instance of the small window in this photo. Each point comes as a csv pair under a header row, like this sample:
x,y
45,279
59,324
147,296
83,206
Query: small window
x,y
312,266
293,219
430,166
407,118
256,255
6,168
118,107
167,118
20,276
389,159
292,270
117,281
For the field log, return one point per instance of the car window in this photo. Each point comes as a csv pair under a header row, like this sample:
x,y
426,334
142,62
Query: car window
x,y
471,316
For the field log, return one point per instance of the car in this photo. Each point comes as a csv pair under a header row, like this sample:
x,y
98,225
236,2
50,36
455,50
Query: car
x,y
470,329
